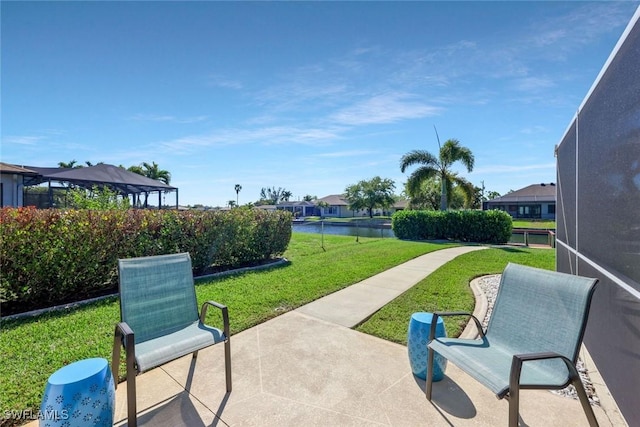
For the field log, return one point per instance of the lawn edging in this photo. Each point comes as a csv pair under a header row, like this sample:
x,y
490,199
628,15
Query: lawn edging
x,y
480,311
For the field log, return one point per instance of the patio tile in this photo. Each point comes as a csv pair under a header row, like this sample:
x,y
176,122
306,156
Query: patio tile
x,y
151,387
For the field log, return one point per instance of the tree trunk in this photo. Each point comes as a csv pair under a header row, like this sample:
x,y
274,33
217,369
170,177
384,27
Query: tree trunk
x,y
443,196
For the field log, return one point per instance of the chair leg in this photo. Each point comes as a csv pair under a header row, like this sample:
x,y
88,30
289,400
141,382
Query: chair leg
x,y
429,384
115,356
514,406
584,400
227,362
132,413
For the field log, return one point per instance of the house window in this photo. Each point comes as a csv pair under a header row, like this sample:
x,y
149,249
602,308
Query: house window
x,y
332,210
529,211
551,209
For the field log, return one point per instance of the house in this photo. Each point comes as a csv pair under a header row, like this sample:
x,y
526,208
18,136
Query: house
x,y
537,201
12,179
336,206
339,207
299,209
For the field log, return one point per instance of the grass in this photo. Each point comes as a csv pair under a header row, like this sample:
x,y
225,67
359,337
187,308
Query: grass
x,y
32,349
447,289
542,224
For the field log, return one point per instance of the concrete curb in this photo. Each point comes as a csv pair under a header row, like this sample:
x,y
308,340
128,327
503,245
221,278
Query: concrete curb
x,y
480,311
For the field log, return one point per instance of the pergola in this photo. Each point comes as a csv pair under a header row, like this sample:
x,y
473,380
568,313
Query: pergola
x,y
117,179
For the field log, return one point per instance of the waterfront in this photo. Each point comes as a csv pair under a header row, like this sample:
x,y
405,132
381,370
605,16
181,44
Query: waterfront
x,y
343,230
534,237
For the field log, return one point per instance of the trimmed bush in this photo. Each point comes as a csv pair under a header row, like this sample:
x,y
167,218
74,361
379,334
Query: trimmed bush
x,y
49,257
492,226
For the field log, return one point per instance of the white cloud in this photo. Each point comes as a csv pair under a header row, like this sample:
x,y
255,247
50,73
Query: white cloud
x,y
534,130
219,81
168,118
533,84
264,136
562,34
347,153
22,139
512,168
386,108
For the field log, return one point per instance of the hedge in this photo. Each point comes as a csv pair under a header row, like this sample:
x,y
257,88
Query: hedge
x,y
491,226
50,256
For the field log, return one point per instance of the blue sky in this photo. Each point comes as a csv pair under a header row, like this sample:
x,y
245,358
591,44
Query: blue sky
x,y
309,96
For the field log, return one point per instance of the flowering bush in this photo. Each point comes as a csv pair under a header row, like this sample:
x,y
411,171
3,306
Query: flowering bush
x,y
50,256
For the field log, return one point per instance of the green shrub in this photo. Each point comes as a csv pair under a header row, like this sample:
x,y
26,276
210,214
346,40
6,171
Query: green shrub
x,y
461,225
49,257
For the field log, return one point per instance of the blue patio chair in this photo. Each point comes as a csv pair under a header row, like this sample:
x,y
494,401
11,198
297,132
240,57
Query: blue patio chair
x,y
160,320
532,340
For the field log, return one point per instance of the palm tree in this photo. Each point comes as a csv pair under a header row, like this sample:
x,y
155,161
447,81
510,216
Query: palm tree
x,y
238,187
286,195
439,168
70,165
153,171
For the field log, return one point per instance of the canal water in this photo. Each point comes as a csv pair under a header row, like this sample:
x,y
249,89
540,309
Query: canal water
x,y
343,230
517,236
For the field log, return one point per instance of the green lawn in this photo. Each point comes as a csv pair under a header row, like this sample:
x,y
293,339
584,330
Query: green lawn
x,y
32,349
447,289
543,224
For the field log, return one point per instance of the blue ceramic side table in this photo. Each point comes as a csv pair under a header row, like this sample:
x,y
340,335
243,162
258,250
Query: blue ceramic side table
x,y
79,394
417,338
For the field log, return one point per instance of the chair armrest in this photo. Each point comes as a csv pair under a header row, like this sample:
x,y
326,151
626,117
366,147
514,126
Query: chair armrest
x,y
225,315
434,321
519,359
125,330
123,336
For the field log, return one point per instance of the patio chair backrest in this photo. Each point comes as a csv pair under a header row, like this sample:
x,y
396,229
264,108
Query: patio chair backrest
x,y
157,294
539,310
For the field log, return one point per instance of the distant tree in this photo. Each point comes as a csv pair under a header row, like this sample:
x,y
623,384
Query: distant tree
x,y
309,198
440,168
371,194
231,203
89,164
272,196
153,171
237,187
135,169
426,196
71,165
286,195
482,195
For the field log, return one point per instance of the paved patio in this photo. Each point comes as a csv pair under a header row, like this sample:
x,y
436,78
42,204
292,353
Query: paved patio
x,y
307,367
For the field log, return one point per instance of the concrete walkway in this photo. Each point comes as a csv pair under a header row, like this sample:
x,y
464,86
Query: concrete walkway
x,y
307,367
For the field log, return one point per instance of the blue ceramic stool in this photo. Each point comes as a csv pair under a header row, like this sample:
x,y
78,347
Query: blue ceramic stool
x,y
79,394
417,339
